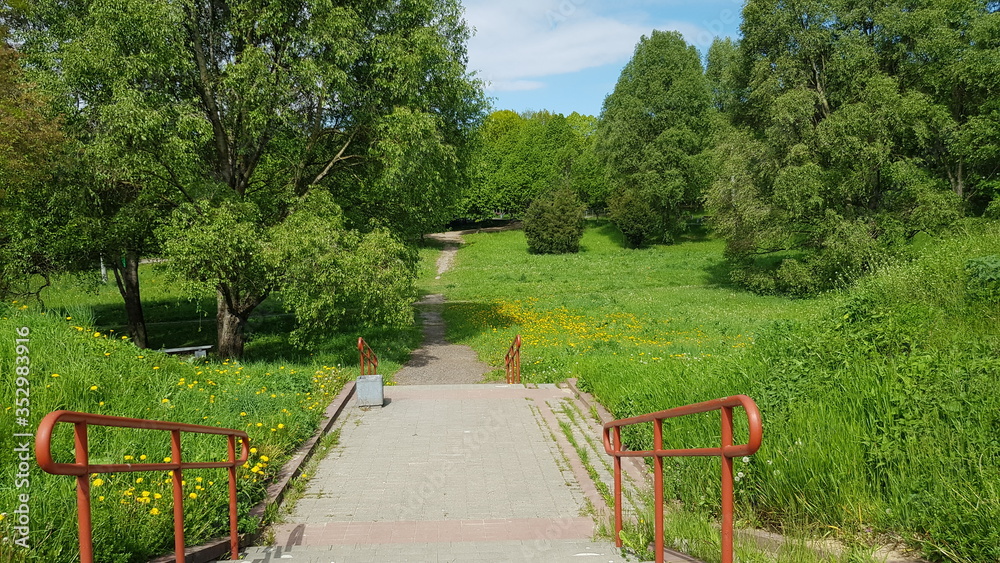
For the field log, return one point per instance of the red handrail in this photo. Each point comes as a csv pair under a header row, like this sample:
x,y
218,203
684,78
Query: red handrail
x,y
83,469
369,361
512,361
726,451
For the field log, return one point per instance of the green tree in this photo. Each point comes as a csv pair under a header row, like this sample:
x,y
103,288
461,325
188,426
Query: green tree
x,y
33,152
521,157
235,112
587,174
652,134
553,223
844,146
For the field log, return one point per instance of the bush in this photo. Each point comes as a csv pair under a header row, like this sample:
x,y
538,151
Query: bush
x,y
553,223
635,217
984,278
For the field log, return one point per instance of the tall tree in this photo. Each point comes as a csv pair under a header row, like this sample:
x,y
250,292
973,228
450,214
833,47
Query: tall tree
x,y
652,134
521,157
32,154
235,111
849,140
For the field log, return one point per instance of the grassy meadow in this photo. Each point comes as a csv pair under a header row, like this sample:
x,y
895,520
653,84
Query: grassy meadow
x,y
879,402
79,360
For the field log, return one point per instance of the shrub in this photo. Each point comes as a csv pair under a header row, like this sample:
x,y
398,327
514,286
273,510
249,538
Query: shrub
x,y
984,278
553,223
633,214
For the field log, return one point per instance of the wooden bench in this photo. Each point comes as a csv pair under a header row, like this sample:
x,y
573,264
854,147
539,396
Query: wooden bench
x,y
198,351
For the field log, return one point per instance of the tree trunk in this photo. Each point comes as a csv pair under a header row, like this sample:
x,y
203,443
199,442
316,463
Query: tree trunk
x,y
232,314
958,184
127,277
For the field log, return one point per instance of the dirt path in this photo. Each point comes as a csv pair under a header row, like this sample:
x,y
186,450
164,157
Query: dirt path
x,y
438,361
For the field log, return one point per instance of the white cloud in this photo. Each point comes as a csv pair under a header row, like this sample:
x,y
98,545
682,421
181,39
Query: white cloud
x,y
519,42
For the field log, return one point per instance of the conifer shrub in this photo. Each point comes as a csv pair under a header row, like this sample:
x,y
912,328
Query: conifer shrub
x,y
635,217
553,223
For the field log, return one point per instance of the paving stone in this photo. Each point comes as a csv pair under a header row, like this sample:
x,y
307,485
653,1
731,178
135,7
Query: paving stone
x,y
442,473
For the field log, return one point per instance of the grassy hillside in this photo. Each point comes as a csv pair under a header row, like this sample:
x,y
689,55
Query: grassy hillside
x,y
78,360
879,402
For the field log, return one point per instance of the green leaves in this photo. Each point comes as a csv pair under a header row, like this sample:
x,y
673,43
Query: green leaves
x,y
553,223
868,131
652,133
330,277
521,157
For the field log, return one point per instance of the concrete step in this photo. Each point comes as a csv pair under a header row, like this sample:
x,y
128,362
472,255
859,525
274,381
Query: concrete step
x,y
472,552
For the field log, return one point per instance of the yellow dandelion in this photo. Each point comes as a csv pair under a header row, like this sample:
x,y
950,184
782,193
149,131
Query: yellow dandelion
x,y
155,511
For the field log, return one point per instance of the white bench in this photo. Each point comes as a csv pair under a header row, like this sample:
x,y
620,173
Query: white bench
x,y
198,351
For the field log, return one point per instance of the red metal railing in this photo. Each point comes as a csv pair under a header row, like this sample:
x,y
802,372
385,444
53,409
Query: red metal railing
x,y
726,451
512,361
369,361
83,469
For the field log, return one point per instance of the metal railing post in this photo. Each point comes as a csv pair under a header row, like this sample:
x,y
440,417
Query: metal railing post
x,y
368,359
234,537
83,494
178,484
658,488
618,487
727,485
512,361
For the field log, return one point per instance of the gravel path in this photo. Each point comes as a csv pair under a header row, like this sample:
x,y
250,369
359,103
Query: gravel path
x,y
438,361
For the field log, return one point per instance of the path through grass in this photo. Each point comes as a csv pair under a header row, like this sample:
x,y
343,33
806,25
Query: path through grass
x,y
664,305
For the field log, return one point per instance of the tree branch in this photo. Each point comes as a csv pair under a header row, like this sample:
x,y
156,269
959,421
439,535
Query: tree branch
x,y
334,160
204,87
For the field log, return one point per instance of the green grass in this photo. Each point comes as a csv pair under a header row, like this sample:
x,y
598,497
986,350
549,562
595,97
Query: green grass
x,y
79,361
665,305
879,402
74,367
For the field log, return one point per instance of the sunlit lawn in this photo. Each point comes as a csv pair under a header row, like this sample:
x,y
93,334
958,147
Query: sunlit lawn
x,y
661,304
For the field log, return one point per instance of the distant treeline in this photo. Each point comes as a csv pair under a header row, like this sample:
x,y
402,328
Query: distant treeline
x,y
823,141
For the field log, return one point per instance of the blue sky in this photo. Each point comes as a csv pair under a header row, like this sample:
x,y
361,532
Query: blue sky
x,y
566,55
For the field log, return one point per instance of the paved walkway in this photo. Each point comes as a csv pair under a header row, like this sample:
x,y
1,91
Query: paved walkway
x,y
446,473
